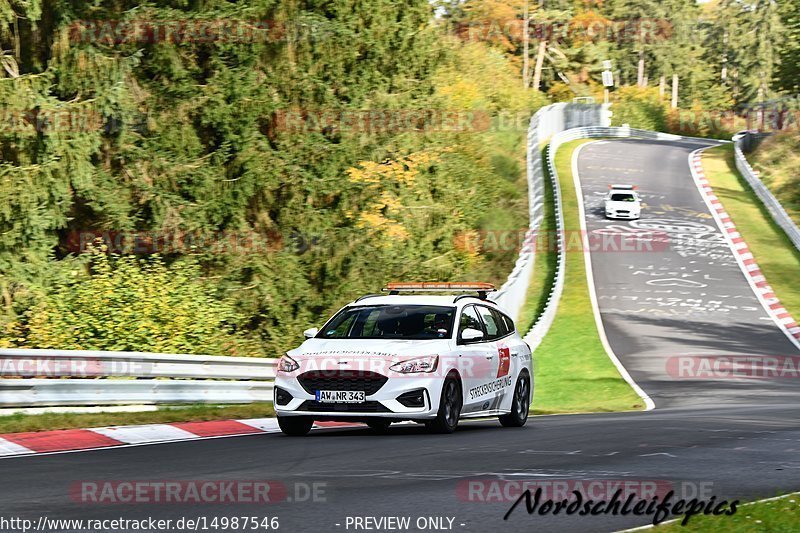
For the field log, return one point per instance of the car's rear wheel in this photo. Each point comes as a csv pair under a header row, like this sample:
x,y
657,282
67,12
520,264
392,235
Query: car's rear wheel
x,y
379,426
295,426
520,406
450,403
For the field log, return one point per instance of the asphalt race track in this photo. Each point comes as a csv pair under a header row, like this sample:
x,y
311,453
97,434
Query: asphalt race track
x,y
733,438
682,295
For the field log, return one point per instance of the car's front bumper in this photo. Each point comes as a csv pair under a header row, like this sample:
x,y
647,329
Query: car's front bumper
x,y
623,216
382,404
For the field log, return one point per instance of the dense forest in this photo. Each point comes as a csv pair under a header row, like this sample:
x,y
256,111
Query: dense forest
x,y
216,176
697,67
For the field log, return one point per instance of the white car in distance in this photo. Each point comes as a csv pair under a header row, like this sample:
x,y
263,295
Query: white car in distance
x,y
622,202
408,355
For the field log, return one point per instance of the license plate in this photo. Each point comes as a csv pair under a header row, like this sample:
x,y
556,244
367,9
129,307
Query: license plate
x,y
341,396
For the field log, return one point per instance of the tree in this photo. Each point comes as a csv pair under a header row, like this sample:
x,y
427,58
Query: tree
x,y
788,73
128,304
231,127
634,47
754,34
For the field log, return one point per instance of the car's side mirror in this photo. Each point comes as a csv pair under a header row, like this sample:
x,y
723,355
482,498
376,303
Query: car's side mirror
x,y
310,333
471,334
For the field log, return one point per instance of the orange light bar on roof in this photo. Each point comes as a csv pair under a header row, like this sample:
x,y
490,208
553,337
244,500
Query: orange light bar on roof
x,y
440,286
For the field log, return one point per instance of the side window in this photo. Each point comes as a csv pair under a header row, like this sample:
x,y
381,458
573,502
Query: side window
x,y
469,320
342,329
489,320
502,325
509,324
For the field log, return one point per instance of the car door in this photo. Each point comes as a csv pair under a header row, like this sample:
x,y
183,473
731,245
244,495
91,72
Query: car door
x,y
497,336
477,360
511,344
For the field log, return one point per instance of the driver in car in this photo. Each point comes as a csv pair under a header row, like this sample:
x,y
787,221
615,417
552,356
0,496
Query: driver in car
x,y
439,328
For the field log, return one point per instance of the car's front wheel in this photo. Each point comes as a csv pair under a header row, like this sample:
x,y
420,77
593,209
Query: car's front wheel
x,y
520,406
450,403
295,426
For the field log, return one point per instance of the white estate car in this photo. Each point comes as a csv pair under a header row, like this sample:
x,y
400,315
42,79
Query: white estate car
x,y
622,201
428,358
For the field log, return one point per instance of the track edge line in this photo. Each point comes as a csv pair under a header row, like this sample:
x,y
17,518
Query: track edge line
x,y
587,263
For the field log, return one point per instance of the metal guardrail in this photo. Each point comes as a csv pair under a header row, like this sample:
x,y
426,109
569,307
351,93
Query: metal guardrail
x,y
86,364
79,377
749,141
62,392
545,123
776,210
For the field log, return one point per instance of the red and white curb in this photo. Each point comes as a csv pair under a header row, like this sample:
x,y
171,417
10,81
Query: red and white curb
x,y
742,253
66,440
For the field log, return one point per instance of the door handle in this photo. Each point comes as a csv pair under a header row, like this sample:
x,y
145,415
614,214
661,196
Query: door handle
x,y
489,357
514,354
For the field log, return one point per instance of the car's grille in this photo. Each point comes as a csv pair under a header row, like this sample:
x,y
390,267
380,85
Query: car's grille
x,y
622,212
337,380
366,407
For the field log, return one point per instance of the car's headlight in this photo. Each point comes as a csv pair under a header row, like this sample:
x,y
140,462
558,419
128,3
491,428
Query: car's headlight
x,y
287,364
417,365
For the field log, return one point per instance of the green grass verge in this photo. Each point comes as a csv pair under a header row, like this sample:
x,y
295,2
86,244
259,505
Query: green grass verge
x,y
777,516
775,254
544,270
572,370
49,421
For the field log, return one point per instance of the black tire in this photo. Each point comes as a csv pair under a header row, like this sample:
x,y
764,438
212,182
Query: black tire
x,y
521,405
379,425
295,426
450,404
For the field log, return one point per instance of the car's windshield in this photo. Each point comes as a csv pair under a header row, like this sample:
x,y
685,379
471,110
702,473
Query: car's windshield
x,y
411,322
622,197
